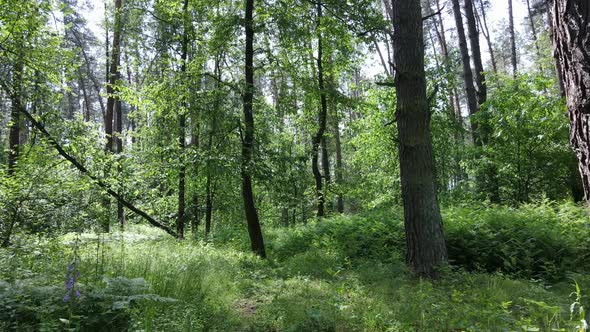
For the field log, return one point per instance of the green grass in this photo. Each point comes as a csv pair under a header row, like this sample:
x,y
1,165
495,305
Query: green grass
x,y
342,274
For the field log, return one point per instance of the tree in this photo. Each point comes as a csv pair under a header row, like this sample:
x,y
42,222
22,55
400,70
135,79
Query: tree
x,y
480,79
470,92
254,229
426,248
182,126
319,139
512,39
114,114
571,39
483,25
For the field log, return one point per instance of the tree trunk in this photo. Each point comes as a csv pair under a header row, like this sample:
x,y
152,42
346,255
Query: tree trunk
x,y
15,119
14,140
512,39
338,170
571,39
467,73
534,31
319,136
254,229
326,169
480,79
558,70
182,129
483,24
426,248
113,104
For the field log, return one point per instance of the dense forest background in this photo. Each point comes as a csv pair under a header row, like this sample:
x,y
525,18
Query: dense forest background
x,y
282,127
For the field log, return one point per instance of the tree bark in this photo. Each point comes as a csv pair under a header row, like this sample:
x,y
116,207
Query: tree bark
x,y
467,73
512,39
319,136
480,79
571,39
15,119
558,70
338,169
254,229
426,248
180,221
113,109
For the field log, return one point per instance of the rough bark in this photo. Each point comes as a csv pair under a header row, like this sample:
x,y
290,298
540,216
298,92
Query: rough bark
x,y
254,229
558,70
571,39
426,248
470,92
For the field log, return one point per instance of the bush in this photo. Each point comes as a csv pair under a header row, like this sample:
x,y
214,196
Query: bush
x,y
33,305
542,241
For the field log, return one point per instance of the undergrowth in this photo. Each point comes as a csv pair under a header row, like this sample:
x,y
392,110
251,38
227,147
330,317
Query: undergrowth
x,y
512,269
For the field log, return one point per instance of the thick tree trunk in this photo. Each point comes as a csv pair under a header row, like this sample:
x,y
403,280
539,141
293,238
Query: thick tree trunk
x,y
426,248
254,229
571,39
467,73
319,136
512,39
558,70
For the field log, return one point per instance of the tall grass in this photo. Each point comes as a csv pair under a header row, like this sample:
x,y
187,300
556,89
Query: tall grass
x,y
512,271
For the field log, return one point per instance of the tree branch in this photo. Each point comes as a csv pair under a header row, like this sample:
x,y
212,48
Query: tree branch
x,y
98,181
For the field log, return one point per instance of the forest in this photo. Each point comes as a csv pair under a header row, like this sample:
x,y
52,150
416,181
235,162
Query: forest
x,y
294,165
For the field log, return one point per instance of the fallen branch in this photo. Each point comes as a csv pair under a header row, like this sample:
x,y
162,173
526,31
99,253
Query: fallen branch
x,y
98,181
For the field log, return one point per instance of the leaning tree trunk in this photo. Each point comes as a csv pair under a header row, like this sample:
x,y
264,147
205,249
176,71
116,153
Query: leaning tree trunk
x,y
571,39
423,223
254,229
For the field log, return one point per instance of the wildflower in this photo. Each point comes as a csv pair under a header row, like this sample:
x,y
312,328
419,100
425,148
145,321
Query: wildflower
x,y
72,274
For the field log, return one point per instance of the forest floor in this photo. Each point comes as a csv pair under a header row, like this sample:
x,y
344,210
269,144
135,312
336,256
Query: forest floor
x,y
513,269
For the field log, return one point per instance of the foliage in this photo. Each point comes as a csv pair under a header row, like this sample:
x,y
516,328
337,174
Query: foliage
x,y
345,273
